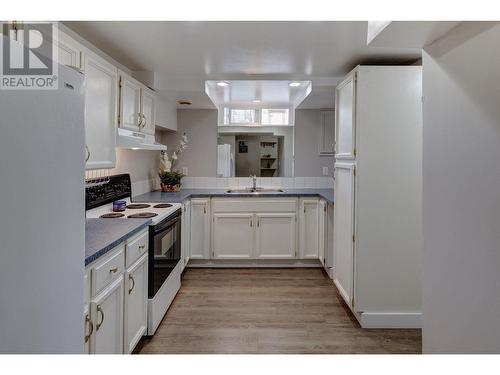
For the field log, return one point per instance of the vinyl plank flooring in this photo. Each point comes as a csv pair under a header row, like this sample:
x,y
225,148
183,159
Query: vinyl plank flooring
x,y
260,311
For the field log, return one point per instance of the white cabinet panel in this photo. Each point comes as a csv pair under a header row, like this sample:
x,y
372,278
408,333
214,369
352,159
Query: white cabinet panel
x,y
276,235
322,232
107,315
148,111
136,298
200,229
232,236
309,235
344,230
345,118
186,233
130,104
100,111
327,133
69,51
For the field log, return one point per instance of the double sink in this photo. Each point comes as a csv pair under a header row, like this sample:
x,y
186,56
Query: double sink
x,y
255,191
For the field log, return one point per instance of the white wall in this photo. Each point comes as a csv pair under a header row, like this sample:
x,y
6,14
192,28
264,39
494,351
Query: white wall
x,y
461,183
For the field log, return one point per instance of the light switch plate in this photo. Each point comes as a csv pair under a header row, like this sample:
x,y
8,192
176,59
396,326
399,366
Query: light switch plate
x,y
325,171
185,171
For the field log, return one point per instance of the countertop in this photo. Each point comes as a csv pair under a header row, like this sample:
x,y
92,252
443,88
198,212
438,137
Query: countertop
x,y
179,197
102,235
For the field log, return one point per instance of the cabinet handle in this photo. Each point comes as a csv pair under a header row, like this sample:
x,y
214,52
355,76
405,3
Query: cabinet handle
x,y
258,222
140,119
142,247
91,325
133,284
99,324
205,208
113,270
88,153
145,121
250,223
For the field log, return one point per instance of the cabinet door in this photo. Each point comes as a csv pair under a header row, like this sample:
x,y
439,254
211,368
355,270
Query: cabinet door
x,y
322,219
232,236
276,236
344,231
107,316
130,104
345,137
100,111
309,233
200,229
69,51
148,111
136,299
187,232
327,133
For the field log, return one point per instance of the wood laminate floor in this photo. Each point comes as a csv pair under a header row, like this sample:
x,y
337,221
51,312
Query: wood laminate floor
x,y
251,311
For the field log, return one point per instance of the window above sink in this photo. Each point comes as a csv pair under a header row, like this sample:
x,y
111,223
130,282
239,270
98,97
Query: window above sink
x,y
256,116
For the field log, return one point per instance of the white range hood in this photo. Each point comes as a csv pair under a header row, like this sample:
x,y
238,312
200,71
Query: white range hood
x,y
135,140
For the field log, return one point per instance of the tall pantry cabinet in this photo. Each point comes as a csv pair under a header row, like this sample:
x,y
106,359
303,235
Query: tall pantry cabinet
x,y
378,194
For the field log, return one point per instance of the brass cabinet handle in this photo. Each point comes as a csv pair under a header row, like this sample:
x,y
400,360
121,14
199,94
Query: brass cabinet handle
x,y
139,115
114,270
91,325
258,222
88,153
133,284
250,223
145,120
142,247
99,324
205,208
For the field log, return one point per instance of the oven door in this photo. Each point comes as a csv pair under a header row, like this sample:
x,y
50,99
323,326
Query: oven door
x,y
164,251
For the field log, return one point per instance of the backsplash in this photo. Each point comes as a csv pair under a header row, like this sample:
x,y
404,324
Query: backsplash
x,y
284,182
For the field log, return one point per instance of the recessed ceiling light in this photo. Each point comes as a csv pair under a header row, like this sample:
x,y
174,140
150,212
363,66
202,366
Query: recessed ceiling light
x,y
222,84
294,84
256,100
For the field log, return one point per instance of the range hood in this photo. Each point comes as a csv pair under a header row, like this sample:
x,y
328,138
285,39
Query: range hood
x,y
134,140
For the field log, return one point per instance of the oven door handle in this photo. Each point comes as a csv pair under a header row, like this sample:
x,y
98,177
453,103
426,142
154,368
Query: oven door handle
x,y
167,226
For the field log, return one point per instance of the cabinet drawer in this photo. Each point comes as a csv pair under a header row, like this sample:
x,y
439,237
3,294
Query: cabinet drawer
x,y
108,270
254,205
136,247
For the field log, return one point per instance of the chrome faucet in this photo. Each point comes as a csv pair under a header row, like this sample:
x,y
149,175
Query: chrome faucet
x,y
254,181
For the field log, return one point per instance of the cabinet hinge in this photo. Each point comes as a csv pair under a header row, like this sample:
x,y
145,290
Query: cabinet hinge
x,y
354,171
120,82
355,152
353,238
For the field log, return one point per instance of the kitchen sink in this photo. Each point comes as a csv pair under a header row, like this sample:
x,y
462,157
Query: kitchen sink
x,y
255,191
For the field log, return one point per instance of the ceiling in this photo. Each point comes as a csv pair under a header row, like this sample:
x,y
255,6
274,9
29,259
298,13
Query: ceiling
x,y
186,54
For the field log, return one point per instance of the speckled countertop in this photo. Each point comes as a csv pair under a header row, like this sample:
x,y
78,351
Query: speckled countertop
x,y
102,235
179,197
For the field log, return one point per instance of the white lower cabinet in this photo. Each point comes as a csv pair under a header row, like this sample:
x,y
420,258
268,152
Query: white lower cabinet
x,y
233,236
309,228
186,233
276,236
136,296
200,229
322,231
106,311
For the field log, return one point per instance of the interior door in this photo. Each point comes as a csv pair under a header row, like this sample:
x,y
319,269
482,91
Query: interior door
x,y
345,138
276,235
107,316
148,112
232,236
130,104
100,111
136,298
344,230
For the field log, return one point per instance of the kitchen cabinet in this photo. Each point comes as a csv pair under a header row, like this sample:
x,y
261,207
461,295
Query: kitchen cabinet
x,y
100,111
233,236
69,51
344,230
130,103
107,315
275,235
327,133
322,230
135,307
148,111
309,228
88,329
186,233
345,105
165,113
200,228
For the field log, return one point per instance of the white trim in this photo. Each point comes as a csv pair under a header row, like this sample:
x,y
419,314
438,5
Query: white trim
x,y
391,320
254,263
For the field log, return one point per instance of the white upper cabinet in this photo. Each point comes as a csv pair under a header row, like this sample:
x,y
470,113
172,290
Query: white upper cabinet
x,y
232,235
275,236
166,114
100,111
345,138
344,230
148,111
327,133
130,103
69,51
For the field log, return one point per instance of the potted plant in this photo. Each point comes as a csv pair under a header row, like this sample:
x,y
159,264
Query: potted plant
x,y
169,177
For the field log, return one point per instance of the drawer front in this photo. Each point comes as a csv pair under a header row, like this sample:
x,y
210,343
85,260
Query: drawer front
x,y
254,205
111,268
136,247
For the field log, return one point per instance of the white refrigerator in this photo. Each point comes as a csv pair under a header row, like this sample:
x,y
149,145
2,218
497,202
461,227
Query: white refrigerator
x,y
42,217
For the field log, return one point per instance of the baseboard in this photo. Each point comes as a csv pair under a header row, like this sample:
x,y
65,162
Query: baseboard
x,y
391,320
329,272
253,263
